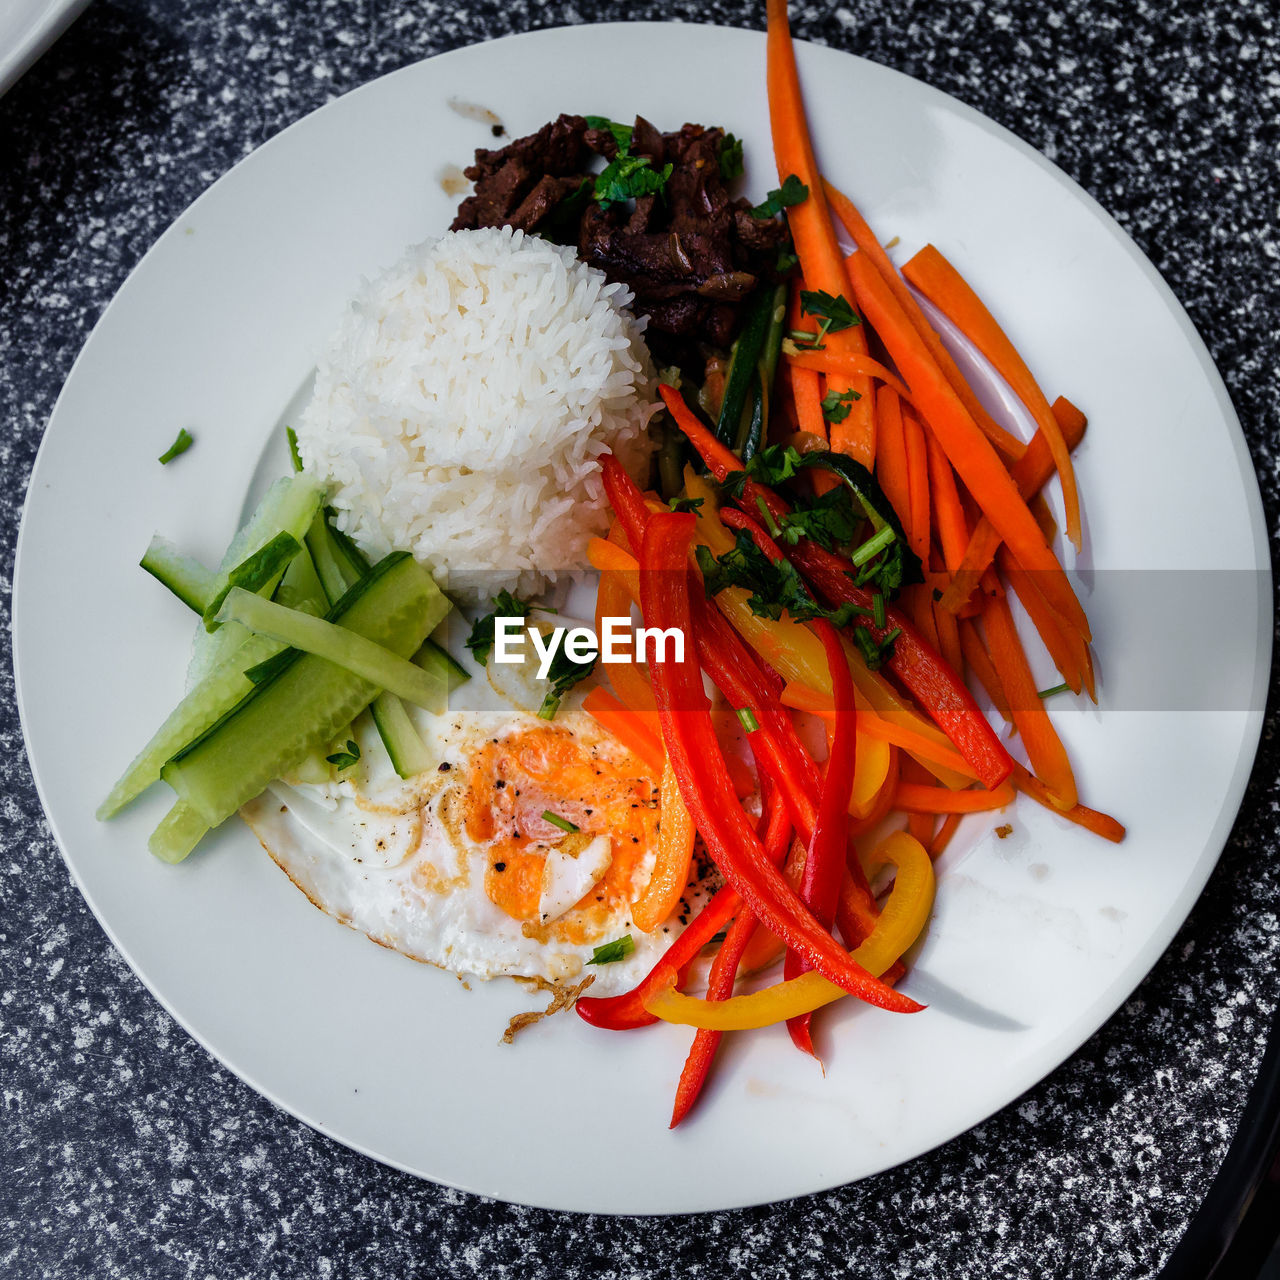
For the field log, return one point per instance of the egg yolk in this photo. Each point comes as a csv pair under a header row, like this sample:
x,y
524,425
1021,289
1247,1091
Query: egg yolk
x,y
514,780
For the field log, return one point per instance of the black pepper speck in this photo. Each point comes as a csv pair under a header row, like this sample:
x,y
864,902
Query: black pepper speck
x,y
127,1151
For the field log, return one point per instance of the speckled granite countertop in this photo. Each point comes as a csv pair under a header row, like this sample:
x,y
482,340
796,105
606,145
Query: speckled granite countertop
x,y
126,1152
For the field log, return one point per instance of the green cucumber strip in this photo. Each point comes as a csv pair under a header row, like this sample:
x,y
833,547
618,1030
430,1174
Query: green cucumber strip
x,y
433,653
335,576
300,587
206,703
338,645
284,721
356,560
743,363
180,830
261,570
408,753
185,576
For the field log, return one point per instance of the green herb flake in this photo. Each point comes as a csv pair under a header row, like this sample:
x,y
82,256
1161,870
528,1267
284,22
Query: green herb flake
x,y
835,310
1057,688
792,192
729,157
628,177
294,456
505,605
610,952
836,404
747,718
686,504
563,674
557,821
183,442
787,262
345,759
621,132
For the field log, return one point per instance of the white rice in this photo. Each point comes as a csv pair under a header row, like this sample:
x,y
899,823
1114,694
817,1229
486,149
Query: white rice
x,y
460,410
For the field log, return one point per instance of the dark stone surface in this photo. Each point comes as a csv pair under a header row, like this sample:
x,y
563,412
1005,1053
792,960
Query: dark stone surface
x,y
126,1152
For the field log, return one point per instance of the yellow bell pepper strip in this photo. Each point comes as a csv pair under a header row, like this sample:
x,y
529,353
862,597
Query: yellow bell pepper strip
x,y
824,866
901,922
699,766
675,853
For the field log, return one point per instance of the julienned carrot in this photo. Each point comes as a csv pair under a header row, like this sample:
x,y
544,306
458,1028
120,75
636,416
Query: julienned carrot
x,y
674,856
948,515
967,449
1062,643
627,726
857,227
807,387
945,624
1030,474
914,797
821,262
1043,746
850,366
948,290
1101,824
978,660
891,455
917,484
943,836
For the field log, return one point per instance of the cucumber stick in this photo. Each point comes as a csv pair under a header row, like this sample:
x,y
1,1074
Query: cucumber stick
x,y
180,830
344,647
262,571
287,718
185,576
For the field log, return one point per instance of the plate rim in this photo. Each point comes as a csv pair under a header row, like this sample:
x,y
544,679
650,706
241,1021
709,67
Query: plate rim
x,y
1110,998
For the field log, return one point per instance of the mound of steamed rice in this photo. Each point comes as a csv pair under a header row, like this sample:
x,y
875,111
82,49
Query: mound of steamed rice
x,y
460,410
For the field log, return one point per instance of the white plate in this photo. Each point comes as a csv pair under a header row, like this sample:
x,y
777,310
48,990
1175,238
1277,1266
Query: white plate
x,y
27,29
1037,938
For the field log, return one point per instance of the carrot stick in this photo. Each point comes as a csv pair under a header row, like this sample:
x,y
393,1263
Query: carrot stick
x,y
1057,638
914,797
978,660
967,449
891,455
865,239
948,637
943,838
918,484
948,290
851,366
821,262
1044,747
1101,824
948,515
1030,474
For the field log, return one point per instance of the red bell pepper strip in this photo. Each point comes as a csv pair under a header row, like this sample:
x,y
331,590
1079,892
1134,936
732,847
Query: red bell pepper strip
x,y
626,1011
938,689
704,781
824,867
724,969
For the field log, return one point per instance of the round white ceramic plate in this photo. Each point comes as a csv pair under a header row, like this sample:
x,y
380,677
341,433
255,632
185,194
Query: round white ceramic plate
x,y
1037,938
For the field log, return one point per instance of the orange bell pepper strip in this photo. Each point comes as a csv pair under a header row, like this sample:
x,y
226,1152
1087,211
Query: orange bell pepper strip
x,y
670,874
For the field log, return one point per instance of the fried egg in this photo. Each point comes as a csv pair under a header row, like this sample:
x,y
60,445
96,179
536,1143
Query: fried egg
x,y
460,867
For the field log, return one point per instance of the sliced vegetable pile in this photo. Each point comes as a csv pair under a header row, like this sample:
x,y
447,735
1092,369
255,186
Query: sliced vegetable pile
x,y
842,541
301,635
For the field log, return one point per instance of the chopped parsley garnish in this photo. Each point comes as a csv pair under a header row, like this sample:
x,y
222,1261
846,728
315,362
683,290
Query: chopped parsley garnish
x,y
563,674
686,504
836,310
836,404
1057,688
345,759
628,177
183,442
609,952
875,652
557,821
505,605
730,157
747,718
792,192
294,456
621,132
787,261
